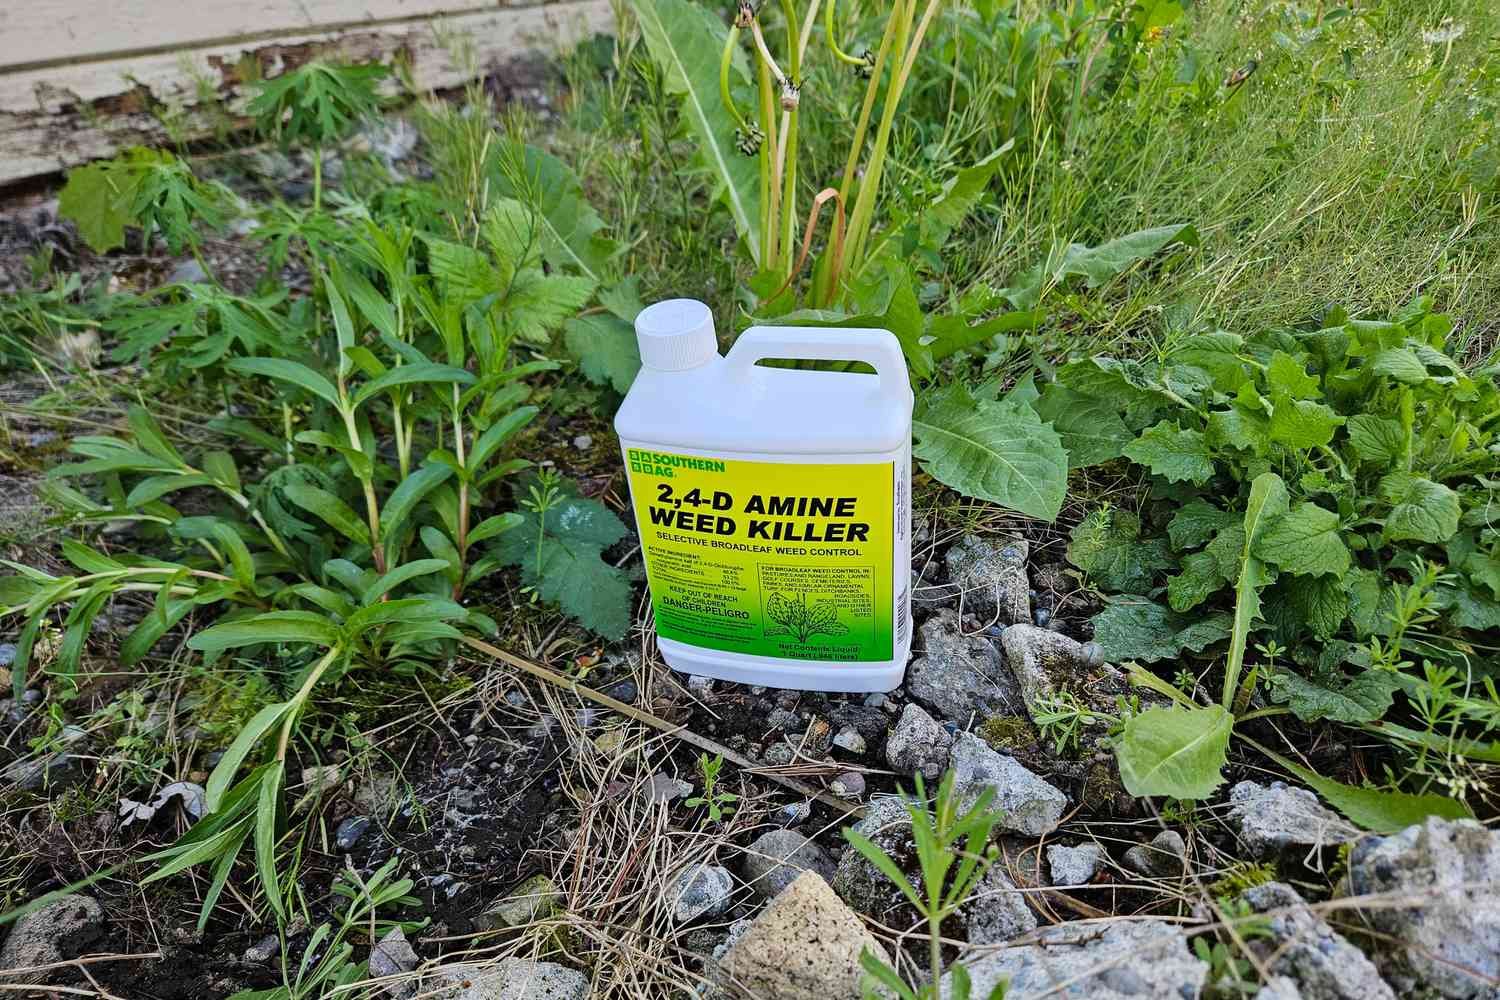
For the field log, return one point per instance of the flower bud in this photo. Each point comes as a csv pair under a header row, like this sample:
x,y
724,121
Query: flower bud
x,y
791,95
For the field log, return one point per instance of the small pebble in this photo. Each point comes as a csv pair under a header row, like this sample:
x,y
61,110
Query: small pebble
x,y
583,442
623,690
349,832
848,786
876,700
849,739
792,813
516,699
7,653
1041,616
262,951
1093,654
700,686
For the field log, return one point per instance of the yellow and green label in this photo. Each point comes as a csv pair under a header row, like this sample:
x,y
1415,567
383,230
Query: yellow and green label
x,y
768,558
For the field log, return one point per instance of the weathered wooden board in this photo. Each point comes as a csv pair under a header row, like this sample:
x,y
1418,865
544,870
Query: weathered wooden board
x,y
52,117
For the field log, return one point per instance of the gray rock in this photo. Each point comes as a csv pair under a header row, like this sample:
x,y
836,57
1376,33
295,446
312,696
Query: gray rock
x,y
662,787
584,442
774,860
849,739
1074,865
989,575
1113,960
1279,988
857,881
996,910
1027,804
1164,857
515,979
849,785
700,891
349,832
918,744
1302,946
1277,817
961,677
7,653
28,774
534,897
1043,662
187,272
806,943
54,933
1449,935
792,813
393,955
262,951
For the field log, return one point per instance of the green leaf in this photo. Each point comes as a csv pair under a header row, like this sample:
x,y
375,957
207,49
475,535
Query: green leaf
x,y
1421,510
273,626
98,198
963,190
1483,569
1321,603
1173,453
288,371
1199,579
491,527
1374,809
1196,523
571,571
405,498
497,434
605,348
266,809
244,741
401,574
1177,752
538,303
1376,440
1366,698
1400,364
1306,540
1268,501
1096,265
330,509
1286,374
148,435
1107,546
1091,429
1300,423
570,226
686,40
996,451
428,372
1147,632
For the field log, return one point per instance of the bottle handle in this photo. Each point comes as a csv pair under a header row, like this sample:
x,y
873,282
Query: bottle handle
x,y
877,348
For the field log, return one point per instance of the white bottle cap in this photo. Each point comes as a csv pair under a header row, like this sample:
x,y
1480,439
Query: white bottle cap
x,y
676,334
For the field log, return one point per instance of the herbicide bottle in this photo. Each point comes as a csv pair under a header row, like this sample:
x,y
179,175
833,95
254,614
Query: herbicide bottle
x,y
773,504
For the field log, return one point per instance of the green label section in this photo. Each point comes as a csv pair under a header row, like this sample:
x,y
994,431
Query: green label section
x,y
768,558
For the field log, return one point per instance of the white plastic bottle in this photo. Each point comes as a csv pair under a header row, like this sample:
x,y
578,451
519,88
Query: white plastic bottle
x,y
773,504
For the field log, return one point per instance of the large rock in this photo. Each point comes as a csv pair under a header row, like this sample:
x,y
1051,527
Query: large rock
x,y
1028,805
1302,946
1164,857
1447,935
989,577
775,859
806,943
700,891
918,745
1044,662
1115,960
514,979
54,933
1277,817
960,676
996,910
393,957
858,882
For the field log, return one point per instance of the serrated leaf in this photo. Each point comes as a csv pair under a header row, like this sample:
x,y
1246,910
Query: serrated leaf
x,y
606,350
996,451
1366,698
1107,546
1305,541
1217,355
98,198
1199,579
1421,510
1175,454
1091,429
537,303
569,225
570,570
1400,364
1239,427
1148,632
1178,752
1196,523
1320,603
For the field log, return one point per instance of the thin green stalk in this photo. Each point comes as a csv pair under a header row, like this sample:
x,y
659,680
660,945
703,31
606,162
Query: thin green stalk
x,y
864,207
317,179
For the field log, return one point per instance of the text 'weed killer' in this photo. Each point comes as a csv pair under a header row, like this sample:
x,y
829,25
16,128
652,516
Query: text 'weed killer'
x,y
773,503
